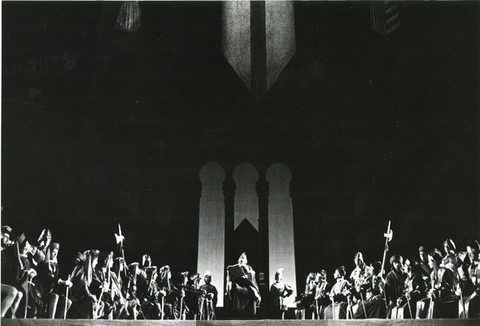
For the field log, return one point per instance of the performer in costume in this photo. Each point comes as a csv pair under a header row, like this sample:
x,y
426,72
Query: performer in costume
x,y
26,278
322,300
11,297
306,305
471,296
54,288
374,303
338,296
85,304
423,263
415,290
242,289
441,301
360,280
278,292
394,283
210,298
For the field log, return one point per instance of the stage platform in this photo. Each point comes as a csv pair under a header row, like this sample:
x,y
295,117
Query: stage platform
x,y
266,322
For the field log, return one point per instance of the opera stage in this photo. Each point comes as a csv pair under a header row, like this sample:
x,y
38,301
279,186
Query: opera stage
x,y
267,322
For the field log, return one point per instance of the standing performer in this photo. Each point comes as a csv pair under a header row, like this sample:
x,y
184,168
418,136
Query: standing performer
x,y
306,308
278,292
242,288
211,296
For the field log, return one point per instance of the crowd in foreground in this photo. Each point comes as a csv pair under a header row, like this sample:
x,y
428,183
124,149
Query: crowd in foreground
x,y
101,285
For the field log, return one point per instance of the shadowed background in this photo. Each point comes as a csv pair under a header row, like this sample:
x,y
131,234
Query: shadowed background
x,y
101,127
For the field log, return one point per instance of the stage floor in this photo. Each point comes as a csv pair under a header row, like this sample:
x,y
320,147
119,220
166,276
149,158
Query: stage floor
x,y
267,322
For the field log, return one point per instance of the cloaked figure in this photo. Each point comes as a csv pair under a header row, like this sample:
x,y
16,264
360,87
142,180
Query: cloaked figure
x,y
242,288
54,288
85,304
278,292
210,297
394,283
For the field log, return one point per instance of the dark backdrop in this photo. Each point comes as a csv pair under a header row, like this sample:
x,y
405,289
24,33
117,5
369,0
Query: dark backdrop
x,y
101,127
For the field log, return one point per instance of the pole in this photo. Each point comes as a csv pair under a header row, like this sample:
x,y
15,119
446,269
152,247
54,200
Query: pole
x,y
386,248
66,300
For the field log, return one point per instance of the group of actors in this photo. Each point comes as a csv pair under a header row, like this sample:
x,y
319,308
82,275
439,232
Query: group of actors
x,y
432,284
101,285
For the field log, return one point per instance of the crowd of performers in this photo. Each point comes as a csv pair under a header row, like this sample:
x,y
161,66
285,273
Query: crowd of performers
x,y
99,286
432,284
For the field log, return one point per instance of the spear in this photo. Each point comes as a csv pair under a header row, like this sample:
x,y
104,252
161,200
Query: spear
x,y
388,237
120,238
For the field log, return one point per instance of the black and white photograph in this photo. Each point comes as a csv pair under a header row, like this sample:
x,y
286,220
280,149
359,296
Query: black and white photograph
x,y
211,162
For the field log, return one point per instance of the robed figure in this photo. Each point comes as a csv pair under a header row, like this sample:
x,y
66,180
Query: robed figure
x,y
242,288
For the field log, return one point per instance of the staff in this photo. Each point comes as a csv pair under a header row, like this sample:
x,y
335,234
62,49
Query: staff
x,y
66,298
388,237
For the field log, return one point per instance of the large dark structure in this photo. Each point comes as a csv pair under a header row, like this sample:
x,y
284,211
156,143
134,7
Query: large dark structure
x,y
103,126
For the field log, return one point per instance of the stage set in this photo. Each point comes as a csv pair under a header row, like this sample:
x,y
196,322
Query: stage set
x,y
173,140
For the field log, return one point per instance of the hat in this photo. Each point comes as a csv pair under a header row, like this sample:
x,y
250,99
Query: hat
x,y
341,270
54,245
395,258
474,245
244,257
146,258
436,255
80,256
6,229
46,234
422,248
278,271
359,255
207,273
450,244
21,239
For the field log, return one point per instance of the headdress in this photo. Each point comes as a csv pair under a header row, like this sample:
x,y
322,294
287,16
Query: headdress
x,y
395,258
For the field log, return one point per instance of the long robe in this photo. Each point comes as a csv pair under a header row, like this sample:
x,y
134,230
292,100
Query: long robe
x,y
243,293
338,309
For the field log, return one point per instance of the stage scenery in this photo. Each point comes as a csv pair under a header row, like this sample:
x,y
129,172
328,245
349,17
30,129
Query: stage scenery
x,y
240,162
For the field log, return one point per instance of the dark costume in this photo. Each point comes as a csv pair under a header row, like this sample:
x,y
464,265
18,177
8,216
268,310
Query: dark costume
x,y
209,304
278,292
394,288
243,290
373,304
84,303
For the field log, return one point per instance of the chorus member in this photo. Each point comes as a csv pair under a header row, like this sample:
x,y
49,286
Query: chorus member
x,y
54,288
338,296
278,292
394,283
